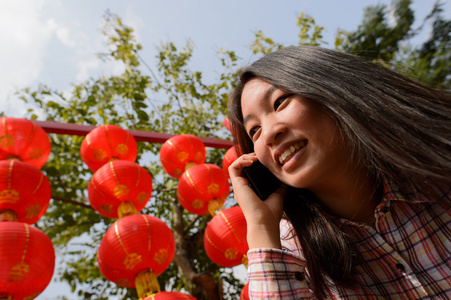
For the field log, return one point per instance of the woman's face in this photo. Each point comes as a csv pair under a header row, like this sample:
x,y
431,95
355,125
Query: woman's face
x,y
293,136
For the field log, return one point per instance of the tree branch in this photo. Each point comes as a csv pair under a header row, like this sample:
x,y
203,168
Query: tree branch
x,y
190,225
73,202
181,257
204,284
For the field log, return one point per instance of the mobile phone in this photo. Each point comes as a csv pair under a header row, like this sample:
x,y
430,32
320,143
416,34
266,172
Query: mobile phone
x,y
261,180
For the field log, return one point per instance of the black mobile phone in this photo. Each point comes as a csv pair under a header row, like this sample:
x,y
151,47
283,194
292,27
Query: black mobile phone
x,y
261,180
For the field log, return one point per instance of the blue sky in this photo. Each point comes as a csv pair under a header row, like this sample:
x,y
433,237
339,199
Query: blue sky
x,y
55,42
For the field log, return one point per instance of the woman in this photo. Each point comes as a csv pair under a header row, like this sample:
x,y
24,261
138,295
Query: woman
x,y
365,157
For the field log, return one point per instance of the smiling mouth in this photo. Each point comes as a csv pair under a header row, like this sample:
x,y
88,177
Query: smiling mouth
x,y
287,154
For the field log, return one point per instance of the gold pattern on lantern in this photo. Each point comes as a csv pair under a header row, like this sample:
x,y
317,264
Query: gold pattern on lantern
x,y
9,196
197,204
131,260
32,211
38,186
120,191
161,256
141,197
213,244
182,156
230,226
213,188
123,282
7,140
18,272
198,156
36,153
231,253
100,154
122,149
178,172
32,296
106,208
149,237
188,176
139,175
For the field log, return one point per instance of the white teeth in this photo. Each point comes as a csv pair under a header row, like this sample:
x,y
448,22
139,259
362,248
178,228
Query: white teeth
x,y
290,152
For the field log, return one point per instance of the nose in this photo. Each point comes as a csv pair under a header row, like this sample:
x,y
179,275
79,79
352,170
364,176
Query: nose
x,y
272,132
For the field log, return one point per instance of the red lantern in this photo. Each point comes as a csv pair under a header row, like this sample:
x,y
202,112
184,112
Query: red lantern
x,y
27,261
181,152
229,157
226,123
24,190
24,140
170,296
119,188
106,143
245,292
225,238
203,189
134,245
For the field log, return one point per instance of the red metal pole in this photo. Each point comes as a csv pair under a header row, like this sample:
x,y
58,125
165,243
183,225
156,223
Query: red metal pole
x,y
143,136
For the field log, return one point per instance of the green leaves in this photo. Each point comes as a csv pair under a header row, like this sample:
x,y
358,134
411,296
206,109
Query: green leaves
x,y
310,33
263,44
386,35
376,38
174,98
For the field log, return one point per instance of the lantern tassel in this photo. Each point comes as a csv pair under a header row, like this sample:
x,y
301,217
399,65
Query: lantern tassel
x,y
146,284
190,165
8,215
213,206
125,209
245,260
12,157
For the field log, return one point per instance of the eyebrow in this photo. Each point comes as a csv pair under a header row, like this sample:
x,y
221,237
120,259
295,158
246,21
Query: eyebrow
x,y
266,98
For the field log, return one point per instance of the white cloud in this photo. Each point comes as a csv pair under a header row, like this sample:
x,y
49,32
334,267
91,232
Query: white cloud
x,y
134,21
62,33
24,41
84,69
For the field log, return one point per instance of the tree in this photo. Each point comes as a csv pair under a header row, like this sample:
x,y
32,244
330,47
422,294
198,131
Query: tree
x,y
385,36
131,100
175,99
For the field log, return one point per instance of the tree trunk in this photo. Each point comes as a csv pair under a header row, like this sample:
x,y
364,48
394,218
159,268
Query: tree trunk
x,y
205,288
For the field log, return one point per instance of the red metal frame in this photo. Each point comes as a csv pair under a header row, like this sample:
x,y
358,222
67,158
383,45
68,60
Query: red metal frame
x,y
143,136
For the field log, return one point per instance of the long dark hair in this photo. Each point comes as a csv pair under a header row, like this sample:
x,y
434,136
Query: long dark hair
x,y
397,127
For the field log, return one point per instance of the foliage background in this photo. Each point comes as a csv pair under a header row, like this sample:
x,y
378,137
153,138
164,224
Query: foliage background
x,y
171,96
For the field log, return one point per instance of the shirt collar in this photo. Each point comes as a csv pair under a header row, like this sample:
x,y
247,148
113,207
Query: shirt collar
x,y
412,195
391,193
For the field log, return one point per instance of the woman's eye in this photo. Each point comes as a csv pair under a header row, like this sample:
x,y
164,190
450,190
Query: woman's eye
x,y
279,101
253,131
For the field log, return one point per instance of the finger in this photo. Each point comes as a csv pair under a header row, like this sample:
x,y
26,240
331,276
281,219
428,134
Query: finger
x,y
244,194
246,160
275,200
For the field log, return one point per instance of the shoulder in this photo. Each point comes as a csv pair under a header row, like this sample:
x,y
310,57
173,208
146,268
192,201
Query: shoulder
x,y
288,238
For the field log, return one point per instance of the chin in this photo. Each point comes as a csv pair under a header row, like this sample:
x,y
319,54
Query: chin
x,y
295,184
299,180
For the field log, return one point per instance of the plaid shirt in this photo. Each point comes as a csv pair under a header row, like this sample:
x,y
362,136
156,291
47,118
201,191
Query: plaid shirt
x,y
406,256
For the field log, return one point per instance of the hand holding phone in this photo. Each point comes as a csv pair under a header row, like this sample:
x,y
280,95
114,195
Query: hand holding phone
x,y
261,180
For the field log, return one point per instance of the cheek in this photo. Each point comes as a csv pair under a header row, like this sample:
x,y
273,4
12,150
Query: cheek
x,y
262,153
